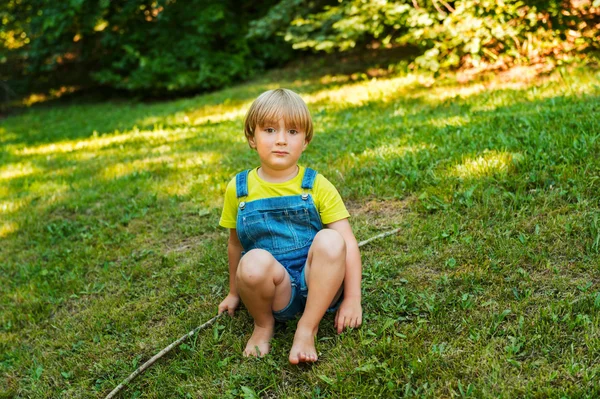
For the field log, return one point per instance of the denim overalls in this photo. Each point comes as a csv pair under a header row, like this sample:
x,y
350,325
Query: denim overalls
x,y
285,227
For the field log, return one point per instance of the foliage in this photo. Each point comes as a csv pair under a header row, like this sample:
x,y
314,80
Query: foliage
x,y
449,34
165,46
110,245
138,45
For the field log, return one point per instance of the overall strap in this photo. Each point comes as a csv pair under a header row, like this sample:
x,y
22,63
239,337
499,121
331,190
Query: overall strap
x,y
241,184
309,179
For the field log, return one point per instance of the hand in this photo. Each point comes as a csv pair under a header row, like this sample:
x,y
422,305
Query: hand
x,y
349,315
229,304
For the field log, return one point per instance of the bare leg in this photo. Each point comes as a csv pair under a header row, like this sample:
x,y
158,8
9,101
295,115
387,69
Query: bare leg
x,y
264,285
325,270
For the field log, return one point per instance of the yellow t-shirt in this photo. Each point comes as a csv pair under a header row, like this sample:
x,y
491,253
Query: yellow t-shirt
x,y
327,200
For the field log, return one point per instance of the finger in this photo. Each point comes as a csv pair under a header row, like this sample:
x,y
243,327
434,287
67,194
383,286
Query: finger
x,y
341,324
231,311
347,322
338,323
352,323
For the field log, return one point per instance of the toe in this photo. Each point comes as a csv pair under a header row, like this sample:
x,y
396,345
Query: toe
x,y
250,352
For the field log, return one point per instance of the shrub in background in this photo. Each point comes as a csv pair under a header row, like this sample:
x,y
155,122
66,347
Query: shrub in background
x,y
450,34
150,46
176,46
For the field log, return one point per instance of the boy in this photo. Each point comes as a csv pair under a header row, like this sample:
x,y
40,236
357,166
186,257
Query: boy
x,y
291,248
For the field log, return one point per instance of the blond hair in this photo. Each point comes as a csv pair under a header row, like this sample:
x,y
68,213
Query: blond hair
x,y
273,105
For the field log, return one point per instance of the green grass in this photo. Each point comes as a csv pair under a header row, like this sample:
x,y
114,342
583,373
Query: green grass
x,y
110,245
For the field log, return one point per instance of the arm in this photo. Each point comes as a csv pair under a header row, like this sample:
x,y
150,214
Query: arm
x,y
234,254
350,312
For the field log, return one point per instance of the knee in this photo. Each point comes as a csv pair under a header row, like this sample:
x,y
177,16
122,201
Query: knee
x,y
254,267
330,243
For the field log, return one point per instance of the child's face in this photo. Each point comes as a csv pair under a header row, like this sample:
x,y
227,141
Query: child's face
x,y
279,147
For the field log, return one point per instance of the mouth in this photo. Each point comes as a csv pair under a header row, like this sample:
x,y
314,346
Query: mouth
x,y
280,152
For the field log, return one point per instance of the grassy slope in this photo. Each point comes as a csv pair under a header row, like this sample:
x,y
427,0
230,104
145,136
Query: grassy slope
x,y
111,250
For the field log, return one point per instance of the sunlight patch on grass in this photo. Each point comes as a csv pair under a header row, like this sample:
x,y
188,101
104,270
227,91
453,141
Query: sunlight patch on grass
x,y
352,94
500,92
51,190
7,228
205,115
487,164
393,150
495,93
98,143
349,94
457,120
328,79
186,181
5,136
443,93
53,94
182,186
360,93
226,116
198,159
166,161
13,171
121,169
10,206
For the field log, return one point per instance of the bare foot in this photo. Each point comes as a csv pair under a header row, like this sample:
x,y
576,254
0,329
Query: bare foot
x,y
303,348
259,343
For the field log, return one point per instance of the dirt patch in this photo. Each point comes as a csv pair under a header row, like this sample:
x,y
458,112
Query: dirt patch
x,y
422,275
379,212
520,73
189,243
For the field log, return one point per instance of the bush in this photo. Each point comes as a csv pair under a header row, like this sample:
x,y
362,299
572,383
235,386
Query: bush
x,y
150,46
171,46
463,33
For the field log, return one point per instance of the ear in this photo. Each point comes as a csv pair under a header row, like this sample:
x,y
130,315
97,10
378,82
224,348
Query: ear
x,y
252,143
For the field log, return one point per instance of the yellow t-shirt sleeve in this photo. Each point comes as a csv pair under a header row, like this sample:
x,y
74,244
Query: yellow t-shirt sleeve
x,y
328,201
230,205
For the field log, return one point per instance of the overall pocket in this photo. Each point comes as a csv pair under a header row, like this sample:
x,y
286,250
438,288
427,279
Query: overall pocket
x,y
279,231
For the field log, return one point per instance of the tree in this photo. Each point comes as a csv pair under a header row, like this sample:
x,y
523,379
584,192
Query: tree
x,y
139,45
449,33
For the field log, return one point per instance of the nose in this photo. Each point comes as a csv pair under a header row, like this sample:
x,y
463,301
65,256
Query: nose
x,y
281,139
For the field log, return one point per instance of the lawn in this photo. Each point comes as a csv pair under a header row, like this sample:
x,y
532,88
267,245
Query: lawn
x,y
110,246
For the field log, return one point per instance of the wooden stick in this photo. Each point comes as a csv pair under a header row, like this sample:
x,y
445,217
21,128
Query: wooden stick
x,y
163,352
160,354
387,233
